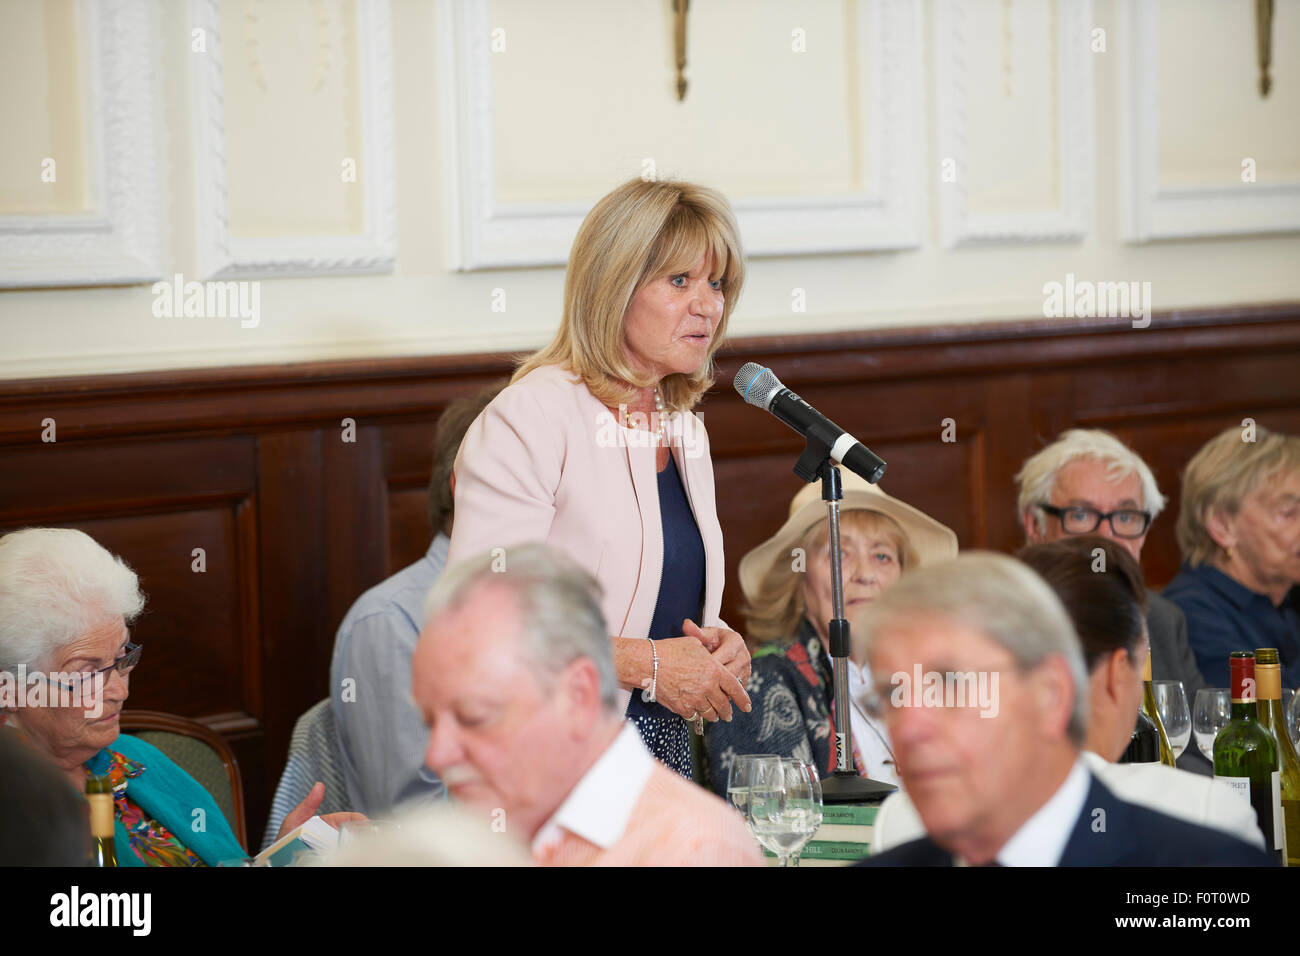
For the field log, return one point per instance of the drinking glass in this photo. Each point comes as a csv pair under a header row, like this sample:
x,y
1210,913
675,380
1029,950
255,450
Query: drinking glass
x,y
1171,705
740,779
1212,711
785,806
1291,707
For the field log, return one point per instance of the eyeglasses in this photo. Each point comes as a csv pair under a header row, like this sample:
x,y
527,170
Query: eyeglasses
x,y
1080,519
123,665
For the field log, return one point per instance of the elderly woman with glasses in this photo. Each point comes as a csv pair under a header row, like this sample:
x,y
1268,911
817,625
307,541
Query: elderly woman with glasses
x,y
1239,532
786,581
65,665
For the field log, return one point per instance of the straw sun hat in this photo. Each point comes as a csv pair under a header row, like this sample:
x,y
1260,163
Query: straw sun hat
x,y
928,541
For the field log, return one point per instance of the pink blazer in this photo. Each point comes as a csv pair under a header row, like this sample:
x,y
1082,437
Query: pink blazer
x,y
546,461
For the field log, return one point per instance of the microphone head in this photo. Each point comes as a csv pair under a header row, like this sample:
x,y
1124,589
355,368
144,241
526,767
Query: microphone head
x,y
757,385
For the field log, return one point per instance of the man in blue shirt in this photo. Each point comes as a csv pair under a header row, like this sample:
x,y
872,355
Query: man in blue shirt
x,y
382,737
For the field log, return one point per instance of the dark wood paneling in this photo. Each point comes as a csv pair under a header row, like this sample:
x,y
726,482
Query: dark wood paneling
x,y
407,462
249,463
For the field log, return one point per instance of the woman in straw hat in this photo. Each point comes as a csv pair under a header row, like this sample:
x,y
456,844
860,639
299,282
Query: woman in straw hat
x,y
786,581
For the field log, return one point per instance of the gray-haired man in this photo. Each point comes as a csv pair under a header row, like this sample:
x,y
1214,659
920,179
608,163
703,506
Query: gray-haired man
x,y
981,682
514,676
1089,482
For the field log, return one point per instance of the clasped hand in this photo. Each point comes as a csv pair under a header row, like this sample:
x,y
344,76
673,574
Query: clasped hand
x,y
703,672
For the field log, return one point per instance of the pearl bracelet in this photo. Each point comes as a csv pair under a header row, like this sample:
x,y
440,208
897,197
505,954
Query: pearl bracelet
x,y
648,695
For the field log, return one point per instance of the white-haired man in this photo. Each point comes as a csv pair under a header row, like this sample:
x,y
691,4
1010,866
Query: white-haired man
x,y
1089,482
981,681
515,678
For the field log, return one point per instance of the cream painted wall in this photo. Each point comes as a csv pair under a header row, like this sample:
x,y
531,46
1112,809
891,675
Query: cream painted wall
x,y
424,308
41,76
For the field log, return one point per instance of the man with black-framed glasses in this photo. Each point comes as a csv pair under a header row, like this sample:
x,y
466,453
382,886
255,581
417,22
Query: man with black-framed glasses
x,y
1089,482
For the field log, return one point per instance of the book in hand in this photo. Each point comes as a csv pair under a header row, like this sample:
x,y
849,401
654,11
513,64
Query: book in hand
x,y
314,836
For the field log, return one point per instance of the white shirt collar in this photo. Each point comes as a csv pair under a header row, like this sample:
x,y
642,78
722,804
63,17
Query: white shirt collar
x,y
1041,839
601,803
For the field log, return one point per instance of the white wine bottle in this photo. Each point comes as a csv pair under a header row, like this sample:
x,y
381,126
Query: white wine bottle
x,y
99,794
1286,805
1148,707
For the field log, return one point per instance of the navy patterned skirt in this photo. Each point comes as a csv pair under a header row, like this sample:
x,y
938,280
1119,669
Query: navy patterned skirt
x,y
667,737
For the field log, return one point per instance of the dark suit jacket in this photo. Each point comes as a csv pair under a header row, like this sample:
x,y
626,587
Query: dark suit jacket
x,y
1172,658
1124,834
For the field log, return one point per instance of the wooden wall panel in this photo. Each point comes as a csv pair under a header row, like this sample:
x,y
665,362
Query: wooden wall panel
x,y
250,464
407,464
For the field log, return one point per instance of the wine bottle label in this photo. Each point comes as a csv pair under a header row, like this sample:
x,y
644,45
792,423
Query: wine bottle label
x,y
1239,784
1279,841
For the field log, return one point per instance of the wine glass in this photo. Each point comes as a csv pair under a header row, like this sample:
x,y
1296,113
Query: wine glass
x,y
785,806
1291,707
740,779
1171,705
1211,714
809,803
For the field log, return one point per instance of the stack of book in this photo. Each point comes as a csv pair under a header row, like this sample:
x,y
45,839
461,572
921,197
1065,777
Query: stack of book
x,y
843,838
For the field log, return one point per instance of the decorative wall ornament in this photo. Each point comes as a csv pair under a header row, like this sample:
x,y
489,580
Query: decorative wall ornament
x,y
118,240
888,213
373,250
1074,128
1149,210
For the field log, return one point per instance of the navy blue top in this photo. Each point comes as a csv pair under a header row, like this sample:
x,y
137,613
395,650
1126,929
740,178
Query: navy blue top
x,y
1224,616
681,588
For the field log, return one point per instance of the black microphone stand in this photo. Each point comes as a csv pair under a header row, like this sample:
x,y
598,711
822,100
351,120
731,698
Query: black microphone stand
x,y
845,785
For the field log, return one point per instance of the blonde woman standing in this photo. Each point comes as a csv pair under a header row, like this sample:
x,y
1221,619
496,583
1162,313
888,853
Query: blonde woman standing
x,y
593,449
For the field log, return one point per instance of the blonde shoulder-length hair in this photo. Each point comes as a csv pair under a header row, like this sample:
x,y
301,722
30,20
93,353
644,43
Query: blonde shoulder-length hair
x,y
640,232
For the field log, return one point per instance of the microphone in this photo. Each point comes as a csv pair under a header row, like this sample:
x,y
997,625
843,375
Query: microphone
x,y
758,386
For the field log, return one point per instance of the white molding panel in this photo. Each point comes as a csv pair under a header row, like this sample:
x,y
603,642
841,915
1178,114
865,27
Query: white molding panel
x,y
118,240
1150,211
1070,220
484,233
372,251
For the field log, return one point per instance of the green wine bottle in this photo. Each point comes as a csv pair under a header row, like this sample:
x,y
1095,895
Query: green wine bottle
x,y
99,794
1268,683
1245,753
1148,707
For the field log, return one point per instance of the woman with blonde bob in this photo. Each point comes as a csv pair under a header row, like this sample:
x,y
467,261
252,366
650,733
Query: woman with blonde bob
x,y
593,449
1239,532
788,606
